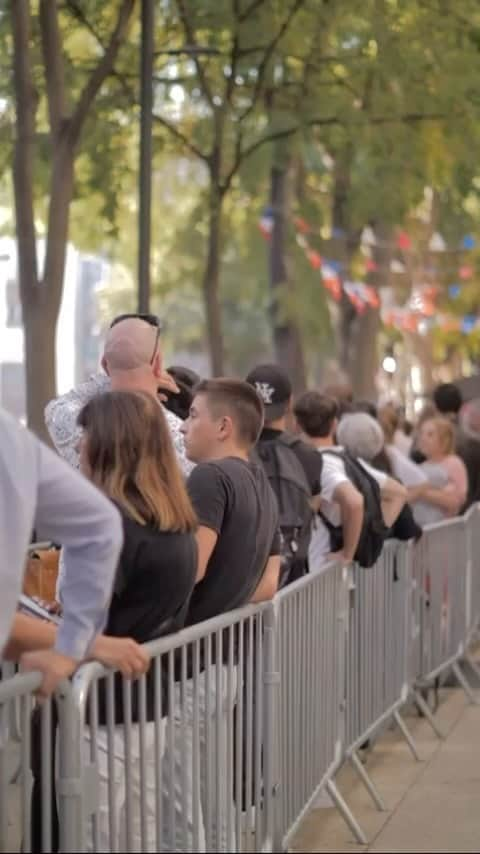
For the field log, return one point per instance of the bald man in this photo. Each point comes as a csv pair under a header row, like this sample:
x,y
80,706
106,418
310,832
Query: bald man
x,y
132,361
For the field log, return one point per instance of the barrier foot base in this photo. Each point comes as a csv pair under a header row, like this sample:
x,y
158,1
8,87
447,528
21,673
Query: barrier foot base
x,y
367,781
346,813
406,734
427,713
473,665
463,681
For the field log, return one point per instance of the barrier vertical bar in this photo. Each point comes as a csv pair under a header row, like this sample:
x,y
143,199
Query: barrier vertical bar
x,y
70,783
271,681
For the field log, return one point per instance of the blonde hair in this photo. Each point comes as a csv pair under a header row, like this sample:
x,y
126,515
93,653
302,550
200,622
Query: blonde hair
x,y
445,432
131,459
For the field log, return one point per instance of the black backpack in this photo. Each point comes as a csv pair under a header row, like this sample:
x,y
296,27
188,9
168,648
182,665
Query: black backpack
x,y
289,482
374,531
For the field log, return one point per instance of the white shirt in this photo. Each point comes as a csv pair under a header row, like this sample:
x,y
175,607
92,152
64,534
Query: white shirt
x,y
62,413
333,475
402,442
408,472
38,490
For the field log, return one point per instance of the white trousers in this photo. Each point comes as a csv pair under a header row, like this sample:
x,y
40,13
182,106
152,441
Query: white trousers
x,y
112,792
199,748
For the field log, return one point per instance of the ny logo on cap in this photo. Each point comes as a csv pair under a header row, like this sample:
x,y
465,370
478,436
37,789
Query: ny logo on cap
x,y
266,392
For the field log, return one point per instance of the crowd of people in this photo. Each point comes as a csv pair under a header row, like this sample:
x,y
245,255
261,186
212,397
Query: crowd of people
x,y
179,499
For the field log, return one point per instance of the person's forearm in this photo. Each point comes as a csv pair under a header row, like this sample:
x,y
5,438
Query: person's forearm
x,y
72,512
391,508
28,633
443,498
352,521
393,497
268,584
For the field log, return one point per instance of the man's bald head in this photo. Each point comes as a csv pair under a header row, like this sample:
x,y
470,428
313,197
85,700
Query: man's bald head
x,y
129,345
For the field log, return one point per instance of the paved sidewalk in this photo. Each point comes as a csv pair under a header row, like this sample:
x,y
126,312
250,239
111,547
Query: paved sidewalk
x,y
434,805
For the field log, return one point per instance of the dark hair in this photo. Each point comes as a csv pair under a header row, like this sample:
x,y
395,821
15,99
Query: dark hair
x,y
240,401
316,413
181,402
447,398
131,459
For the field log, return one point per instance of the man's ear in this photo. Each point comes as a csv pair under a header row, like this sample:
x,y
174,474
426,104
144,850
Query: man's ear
x,y
226,428
157,365
105,366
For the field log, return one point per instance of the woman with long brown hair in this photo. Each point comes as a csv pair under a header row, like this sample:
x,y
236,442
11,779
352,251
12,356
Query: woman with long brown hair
x,y
126,451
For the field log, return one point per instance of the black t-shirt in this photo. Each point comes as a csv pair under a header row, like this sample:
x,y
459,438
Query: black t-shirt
x,y
234,499
308,457
153,585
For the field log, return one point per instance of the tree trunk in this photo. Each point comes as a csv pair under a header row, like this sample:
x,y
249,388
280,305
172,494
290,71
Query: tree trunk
x,y
39,332
211,280
41,300
286,335
364,360
344,244
365,356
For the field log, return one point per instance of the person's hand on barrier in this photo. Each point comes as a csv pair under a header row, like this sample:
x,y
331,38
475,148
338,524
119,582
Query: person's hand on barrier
x,y
122,654
338,557
54,667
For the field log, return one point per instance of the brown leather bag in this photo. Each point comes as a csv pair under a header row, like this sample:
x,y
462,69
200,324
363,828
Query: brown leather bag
x,y
41,573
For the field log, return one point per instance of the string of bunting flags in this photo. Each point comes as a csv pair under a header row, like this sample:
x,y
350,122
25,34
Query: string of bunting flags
x,y
420,314
360,294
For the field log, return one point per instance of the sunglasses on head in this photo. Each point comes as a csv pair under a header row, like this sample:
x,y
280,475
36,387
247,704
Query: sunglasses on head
x,y
152,320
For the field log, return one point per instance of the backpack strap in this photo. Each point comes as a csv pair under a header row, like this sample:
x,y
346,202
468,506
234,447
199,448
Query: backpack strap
x,y
329,525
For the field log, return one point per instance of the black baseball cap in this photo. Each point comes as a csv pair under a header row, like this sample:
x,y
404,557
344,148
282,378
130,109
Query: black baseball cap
x,y
274,387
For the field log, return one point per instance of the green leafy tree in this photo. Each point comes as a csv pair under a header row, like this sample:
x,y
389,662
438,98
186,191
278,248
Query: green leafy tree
x,y
54,100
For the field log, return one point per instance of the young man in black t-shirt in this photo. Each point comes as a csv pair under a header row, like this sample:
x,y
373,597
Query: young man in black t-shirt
x,y
238,562
238,543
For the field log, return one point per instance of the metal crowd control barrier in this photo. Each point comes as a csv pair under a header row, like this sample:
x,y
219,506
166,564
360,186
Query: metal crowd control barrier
x,y
473,591
243,720
377,654
21,809
443,578
311,634
181,760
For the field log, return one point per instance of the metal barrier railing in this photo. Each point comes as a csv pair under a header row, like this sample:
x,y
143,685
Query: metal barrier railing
x,y
311,637
377,684
181,759
243,720
16,707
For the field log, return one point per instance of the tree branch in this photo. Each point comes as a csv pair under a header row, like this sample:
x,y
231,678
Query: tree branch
x,y
192,40
327,121
181,137
262,68
77,11
254,5
23,161
53,62
103,69
230,84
